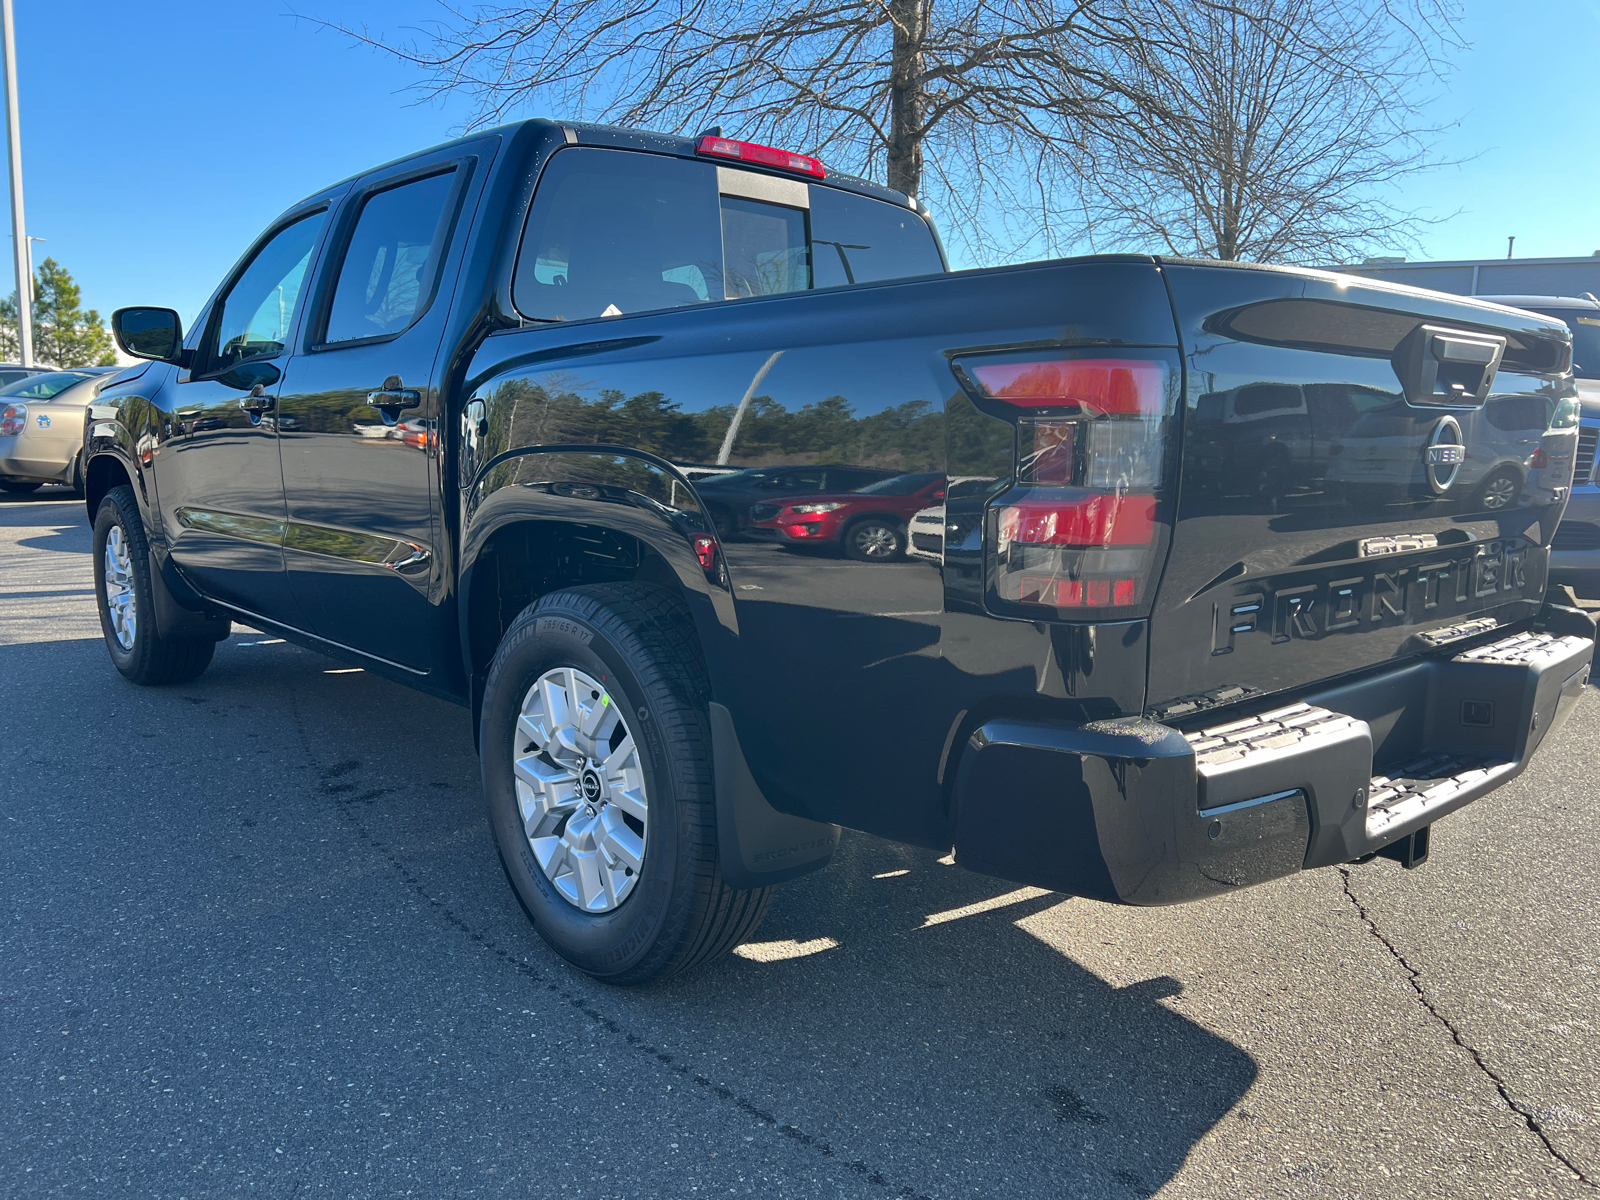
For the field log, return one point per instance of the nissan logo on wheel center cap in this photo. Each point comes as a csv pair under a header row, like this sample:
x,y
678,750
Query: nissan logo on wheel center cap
x,y
590,782
1444,454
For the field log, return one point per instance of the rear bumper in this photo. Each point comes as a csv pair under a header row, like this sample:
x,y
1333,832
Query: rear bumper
x,y
35,459
1142,813
796,533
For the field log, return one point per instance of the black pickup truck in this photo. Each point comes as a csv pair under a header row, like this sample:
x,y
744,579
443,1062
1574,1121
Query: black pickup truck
x,y
452,419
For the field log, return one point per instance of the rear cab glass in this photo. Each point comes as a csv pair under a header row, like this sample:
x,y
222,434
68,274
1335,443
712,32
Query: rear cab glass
x,y
614,231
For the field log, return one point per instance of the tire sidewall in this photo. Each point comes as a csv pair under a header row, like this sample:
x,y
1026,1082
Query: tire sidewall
x,y
112,513
855,528
604,944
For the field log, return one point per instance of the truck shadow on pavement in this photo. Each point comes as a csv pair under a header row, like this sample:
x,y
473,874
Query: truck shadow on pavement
x,y
894,1010
985,1042
899,1023
63,527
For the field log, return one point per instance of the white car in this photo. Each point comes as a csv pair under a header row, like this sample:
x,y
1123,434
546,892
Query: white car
x,y
925,535
41,427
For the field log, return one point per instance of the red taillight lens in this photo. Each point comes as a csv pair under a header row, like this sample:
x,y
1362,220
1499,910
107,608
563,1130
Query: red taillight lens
x,y
1103,385
13,420
705,549
1103,519
765,156
1081,530
1539,459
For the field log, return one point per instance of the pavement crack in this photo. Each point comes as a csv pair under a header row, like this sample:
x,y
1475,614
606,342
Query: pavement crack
x,y
1414,978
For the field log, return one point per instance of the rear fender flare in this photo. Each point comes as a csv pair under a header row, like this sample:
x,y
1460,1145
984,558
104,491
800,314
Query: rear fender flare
x,y
613,488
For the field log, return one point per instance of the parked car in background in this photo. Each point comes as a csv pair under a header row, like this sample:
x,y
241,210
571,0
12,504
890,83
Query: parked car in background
x,y
929,527
728,498
1575,553
1373,462
11,372
925,534
41,426
867,523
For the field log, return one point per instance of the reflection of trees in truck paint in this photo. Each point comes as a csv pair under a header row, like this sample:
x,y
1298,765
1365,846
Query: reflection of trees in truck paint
x,y
908,437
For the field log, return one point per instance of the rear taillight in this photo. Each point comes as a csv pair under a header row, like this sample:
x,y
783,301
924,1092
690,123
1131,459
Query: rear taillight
x,y
762,156
1081,529
13,420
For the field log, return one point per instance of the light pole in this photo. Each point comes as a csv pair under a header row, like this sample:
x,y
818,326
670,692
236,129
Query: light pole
x,y
19,239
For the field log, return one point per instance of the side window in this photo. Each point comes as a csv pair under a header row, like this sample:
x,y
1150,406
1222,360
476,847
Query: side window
x,y
259,309
1518,414
393,254
1267,399
855,239
763,248
613,231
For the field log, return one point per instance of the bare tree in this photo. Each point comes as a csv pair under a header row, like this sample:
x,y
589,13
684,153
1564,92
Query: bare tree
x,y
1267,130
973,101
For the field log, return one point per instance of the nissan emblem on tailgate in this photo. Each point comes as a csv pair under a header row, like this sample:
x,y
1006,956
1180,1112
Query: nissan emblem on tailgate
x,y
1444,455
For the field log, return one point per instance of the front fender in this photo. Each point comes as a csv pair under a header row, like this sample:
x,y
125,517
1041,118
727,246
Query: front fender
x,y
117,424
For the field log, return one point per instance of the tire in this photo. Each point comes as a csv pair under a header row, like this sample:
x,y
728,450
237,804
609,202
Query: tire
x,y
875,539
137,650
76,483
19,489
1498,492
636,644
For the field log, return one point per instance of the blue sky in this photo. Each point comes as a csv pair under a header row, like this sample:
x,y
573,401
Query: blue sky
x,y
155,149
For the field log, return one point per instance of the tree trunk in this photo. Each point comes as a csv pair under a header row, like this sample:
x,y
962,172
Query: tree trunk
x,y
906,97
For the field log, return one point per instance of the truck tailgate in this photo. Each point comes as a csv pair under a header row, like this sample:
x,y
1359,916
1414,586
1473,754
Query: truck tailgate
x,y
1369,472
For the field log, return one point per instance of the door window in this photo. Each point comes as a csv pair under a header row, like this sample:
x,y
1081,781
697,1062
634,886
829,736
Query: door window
x,y
614,232
259,309
387,273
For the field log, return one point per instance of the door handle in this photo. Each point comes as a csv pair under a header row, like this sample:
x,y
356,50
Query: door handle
x,y
394,394
257,401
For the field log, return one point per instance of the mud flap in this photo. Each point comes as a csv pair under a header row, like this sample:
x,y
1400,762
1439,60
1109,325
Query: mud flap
x,y
177,606
758,844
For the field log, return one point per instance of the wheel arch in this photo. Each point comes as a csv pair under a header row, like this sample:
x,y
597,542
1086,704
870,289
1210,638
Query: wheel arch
x,y
857,518
101,473
542,519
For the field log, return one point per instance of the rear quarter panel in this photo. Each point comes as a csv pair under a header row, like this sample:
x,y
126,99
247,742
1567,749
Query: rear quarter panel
x,y
848,681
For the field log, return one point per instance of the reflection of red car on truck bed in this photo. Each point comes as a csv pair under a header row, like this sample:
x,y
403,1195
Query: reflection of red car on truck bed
x,y
869,522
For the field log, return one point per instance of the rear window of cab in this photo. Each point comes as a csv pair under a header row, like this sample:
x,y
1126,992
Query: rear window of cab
x,y
615,231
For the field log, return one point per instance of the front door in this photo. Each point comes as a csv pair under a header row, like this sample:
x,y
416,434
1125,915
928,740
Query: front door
x,y
217,477
358,416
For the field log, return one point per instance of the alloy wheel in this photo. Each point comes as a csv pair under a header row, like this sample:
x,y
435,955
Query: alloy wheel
x,y
580,790
1500,492
876,541
121,605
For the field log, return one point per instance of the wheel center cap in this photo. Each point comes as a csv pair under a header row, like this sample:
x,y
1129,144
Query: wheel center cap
x,y
590,783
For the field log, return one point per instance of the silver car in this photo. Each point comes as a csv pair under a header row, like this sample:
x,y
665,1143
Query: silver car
x,y
1575,553
41,427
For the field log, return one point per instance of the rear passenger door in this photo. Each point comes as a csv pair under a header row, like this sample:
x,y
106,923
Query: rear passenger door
x,y
359,409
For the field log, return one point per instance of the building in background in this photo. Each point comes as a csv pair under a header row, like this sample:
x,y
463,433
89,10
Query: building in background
x,y
1490,276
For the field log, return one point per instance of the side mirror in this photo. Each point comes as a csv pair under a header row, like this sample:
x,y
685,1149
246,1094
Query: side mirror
x,y
149,333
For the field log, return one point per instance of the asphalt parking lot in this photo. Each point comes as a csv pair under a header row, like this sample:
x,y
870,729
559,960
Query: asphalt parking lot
x,y
256,942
